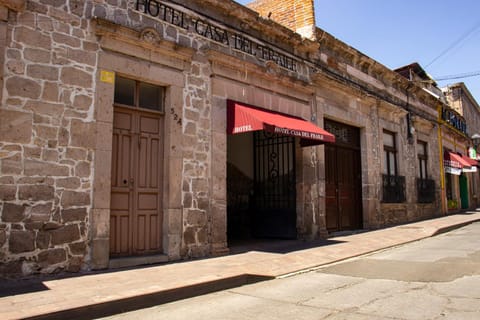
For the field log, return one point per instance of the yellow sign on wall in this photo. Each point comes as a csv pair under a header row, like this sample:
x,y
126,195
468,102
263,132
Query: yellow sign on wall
x,y
107,76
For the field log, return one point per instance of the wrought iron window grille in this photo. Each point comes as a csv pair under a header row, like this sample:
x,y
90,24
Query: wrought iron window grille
x,y
425,190
393,189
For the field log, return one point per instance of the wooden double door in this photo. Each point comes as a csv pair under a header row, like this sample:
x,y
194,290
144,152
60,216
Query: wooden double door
x,y
136,193
343,178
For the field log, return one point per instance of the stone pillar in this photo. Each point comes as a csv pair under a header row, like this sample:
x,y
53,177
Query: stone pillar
x,y
197,160
172,232
100,217
219,178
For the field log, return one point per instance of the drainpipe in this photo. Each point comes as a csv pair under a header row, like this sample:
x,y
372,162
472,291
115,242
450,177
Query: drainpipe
x,y
443,195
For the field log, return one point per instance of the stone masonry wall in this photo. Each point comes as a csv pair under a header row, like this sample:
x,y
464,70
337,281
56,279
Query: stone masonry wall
x,y
196,165
47,137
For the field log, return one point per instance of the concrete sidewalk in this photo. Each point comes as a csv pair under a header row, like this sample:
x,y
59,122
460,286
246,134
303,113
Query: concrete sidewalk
x,y
100,294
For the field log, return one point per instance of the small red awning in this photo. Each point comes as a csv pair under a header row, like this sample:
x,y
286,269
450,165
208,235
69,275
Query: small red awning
x,y
245,118
454,160
471,161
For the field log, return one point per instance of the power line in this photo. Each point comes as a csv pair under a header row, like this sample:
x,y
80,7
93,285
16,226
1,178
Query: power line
x,y
455,43
458,76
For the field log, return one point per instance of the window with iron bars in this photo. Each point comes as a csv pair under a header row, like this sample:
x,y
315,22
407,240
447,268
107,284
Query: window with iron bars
x,y
393,184
425,186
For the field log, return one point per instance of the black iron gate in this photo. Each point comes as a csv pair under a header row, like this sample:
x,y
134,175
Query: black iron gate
x,y
274,199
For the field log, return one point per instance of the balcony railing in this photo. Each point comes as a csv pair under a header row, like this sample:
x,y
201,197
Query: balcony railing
x,y
393,189
425,190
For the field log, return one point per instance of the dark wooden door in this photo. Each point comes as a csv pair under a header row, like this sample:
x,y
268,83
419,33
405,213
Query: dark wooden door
x,y
274,198
343,178
136,194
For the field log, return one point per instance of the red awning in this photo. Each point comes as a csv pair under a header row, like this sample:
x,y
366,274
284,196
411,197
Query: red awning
x,y
455,160
471,161
245,118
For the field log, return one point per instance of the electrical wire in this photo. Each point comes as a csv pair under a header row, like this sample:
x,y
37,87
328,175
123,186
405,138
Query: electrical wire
x,y
458,76
455,43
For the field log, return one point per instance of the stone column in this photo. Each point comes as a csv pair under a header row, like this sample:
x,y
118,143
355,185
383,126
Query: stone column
x,y
100,216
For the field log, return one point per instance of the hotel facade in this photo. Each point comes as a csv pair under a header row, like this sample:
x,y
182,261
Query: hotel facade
x,y
136,132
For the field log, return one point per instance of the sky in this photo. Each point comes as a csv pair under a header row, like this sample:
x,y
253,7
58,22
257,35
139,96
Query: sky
x,y
443,36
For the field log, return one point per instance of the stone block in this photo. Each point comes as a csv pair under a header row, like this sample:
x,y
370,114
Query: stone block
x,y
100,253
82,169
50,92
189,236
50,155
53,110
7,193
102,179
82,134
173,246
68,183
202,235
15,126
173,220
203,203
174,187
82,56
51,225
70,41
11,165
42,240
40,72
36,192
46,132
200,185
75,198
33,225
52,257
21,241
101,223
76,154
219,222
103,101
76,77
196,218
22,87
34,168
82,102
75,264
13,212
16,66
104,136
78,248
32,38
42,209
37,55
71,215
66,234
3,237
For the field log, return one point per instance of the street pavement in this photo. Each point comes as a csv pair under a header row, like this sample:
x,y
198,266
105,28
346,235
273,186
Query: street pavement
x,y
435,278
100,294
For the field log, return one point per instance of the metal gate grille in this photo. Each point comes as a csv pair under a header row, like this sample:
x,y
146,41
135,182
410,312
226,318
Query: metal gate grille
x,y
274,185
